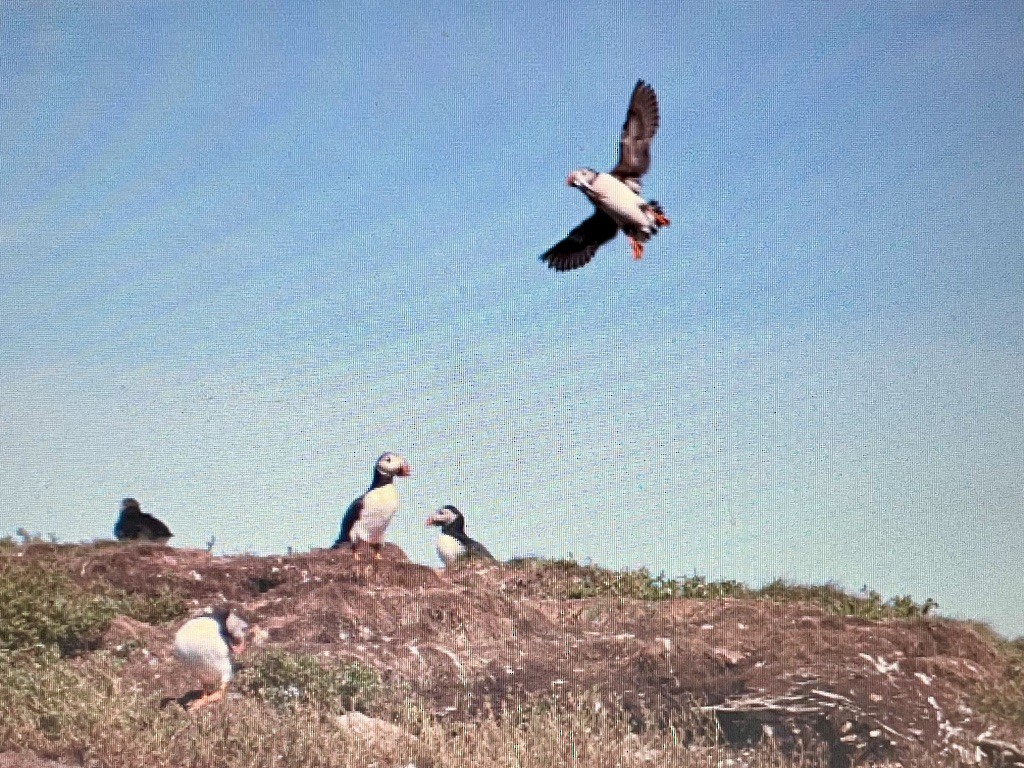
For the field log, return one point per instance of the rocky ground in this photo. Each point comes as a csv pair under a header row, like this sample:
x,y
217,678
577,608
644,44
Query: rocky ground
x,y
486,635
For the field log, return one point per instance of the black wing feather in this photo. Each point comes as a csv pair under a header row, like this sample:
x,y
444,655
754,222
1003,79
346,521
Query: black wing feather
x,y
582,243
155,528
641,124
476,549
351,515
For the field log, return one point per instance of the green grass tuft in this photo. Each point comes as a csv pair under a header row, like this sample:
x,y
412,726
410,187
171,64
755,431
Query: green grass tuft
x,y
569,579
42,607
287,681
834,600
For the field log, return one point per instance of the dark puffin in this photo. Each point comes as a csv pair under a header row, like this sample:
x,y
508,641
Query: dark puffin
x,y
616,194
135,525
367,517
208,644
452,542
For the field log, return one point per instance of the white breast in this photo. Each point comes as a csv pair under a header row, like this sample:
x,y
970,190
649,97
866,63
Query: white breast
x,y
379,506
449,549
199,645
619,201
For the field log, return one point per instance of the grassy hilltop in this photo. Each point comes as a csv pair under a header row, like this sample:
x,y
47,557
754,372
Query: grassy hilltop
x,y
530,663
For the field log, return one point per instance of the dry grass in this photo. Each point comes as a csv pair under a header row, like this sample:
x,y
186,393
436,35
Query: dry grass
x,y
1005,697
82,710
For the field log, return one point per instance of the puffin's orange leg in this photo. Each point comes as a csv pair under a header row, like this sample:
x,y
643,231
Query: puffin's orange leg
x,y
638,249
208,698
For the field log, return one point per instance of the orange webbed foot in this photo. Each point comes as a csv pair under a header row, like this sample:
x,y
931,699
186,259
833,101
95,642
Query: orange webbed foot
x,y
638,249
207,698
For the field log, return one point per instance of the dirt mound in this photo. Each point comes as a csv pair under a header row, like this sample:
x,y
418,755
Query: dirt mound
x,y
488,634
27,760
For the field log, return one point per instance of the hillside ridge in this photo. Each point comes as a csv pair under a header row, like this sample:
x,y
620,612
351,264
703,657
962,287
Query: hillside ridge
x,y
484,637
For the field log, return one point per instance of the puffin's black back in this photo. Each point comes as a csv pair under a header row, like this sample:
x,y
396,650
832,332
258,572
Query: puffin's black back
x,y
457,530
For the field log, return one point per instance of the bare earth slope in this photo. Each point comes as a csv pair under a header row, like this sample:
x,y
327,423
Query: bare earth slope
x,y
485,635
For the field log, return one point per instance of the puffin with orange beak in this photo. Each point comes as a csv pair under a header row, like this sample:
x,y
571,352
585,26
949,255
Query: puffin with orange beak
x,y
452,542
616,194
368,516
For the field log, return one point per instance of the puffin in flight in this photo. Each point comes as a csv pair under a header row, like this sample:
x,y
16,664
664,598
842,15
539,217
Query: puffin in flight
x,y
616,194
207,644
452,541
135,525
368,516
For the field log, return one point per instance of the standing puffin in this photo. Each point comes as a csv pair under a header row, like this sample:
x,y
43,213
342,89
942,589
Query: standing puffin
x,y
208,644
368,516
616,194
135,525
452,541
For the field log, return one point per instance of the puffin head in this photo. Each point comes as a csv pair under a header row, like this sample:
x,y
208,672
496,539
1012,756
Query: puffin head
x,y
393,465
130,505
235,627
444,516
581,177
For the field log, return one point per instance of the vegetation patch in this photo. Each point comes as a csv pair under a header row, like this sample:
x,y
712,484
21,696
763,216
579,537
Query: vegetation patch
x,y
42,607
49,700
834,600
1005,698
290,681
568,579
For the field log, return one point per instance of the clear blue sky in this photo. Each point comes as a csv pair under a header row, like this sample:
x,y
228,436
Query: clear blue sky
x,y
243,251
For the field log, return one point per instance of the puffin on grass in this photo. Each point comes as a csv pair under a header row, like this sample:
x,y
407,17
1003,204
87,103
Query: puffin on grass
x,y
616,194
135,525
368,517
452,542
207,644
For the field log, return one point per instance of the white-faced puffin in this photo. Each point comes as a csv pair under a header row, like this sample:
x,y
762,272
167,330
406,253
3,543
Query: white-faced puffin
x,y
135,525
616,194
452,541
208,645
367,517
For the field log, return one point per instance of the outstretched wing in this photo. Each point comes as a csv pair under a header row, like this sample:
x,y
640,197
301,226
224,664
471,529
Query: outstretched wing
x,y
582,243
641,124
